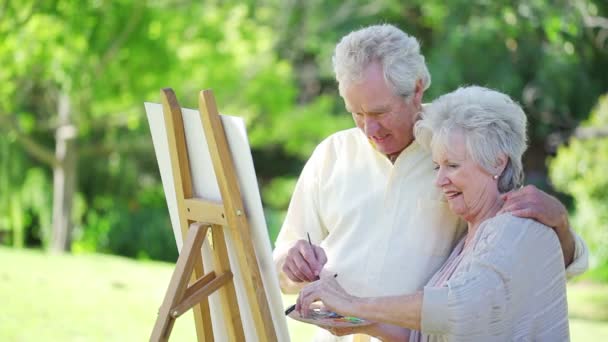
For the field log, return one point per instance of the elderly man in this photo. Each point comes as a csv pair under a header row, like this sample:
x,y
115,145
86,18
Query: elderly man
x,y
366,195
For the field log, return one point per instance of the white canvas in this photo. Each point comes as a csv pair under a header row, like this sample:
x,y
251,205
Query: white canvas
x,y
206,187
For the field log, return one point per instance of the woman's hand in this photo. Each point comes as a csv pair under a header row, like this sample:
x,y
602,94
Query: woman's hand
x,y
328,291
394,316
383,332
344,331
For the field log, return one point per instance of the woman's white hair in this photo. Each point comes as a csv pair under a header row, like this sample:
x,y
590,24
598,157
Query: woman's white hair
x,y
397,52
491,123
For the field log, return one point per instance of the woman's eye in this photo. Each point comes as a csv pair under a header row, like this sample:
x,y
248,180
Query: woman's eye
x,y
436,167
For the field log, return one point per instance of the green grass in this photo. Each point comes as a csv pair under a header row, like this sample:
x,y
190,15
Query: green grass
x,y
588,311
107,298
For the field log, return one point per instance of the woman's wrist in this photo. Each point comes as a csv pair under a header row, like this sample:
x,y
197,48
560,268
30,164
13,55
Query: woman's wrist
x,y
356,306
362,306
404,311
388,333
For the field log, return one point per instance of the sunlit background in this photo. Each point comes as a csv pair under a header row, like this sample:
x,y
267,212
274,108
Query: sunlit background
x,y
86,249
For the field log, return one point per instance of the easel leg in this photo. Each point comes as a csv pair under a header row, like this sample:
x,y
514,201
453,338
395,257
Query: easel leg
x,y
230,306
202,313
188,258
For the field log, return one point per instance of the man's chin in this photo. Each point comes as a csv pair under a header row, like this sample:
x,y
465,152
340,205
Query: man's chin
x,y
386,150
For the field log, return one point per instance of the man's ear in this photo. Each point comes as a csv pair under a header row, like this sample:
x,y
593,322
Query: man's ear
x,y
418,92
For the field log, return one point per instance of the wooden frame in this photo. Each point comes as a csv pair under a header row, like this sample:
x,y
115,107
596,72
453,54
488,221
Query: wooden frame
x,y
198,218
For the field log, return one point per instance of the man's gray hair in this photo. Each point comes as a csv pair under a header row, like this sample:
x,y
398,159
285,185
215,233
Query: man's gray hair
x,y
491,123
397,52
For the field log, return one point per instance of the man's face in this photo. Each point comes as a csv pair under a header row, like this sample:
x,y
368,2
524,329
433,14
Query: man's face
x,y
386,119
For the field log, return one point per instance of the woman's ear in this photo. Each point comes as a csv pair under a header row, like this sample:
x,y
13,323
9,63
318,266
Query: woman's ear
x,y
501,163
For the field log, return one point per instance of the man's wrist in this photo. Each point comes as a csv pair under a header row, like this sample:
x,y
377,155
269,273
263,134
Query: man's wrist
x,y
563,227
567,242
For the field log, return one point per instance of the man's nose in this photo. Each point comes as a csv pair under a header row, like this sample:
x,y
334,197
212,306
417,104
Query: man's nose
x,y
372,126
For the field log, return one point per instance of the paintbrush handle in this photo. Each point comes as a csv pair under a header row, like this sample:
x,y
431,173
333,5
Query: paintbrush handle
x,y
290,309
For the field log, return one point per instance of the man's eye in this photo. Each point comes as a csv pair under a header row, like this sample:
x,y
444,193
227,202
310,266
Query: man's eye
x,y
436,167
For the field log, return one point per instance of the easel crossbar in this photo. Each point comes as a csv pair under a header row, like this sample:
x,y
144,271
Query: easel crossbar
x,y
200,290
204,211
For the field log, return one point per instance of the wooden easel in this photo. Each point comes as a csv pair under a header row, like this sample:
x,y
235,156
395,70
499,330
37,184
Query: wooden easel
x,y
197,218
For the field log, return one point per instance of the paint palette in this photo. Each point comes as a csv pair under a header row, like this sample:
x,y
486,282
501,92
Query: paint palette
x,y
328,319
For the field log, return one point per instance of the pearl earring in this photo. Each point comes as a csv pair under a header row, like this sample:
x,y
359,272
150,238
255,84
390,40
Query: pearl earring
x,y
495,177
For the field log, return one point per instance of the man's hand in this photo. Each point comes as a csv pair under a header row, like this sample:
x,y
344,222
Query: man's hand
x,y
533,203
304,262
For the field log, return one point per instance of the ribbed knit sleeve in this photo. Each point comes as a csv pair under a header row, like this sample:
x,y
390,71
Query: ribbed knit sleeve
x,y
471,306
502,288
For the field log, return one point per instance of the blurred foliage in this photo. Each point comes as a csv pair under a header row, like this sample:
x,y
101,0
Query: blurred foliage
x,y
268,61
579,169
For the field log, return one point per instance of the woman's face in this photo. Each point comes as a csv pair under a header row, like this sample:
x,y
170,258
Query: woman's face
x,y
467,187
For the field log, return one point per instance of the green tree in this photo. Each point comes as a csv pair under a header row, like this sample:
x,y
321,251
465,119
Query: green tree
x,y
579,169
65,67
551,56
77,75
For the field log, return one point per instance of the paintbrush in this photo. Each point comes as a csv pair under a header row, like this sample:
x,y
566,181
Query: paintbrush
x,y
310,244
313,249
290,309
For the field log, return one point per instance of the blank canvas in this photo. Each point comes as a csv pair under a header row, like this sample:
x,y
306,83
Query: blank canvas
x,y
206,187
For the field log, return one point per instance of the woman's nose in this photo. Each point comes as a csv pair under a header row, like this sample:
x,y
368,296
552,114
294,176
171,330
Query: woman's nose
x,y
440,179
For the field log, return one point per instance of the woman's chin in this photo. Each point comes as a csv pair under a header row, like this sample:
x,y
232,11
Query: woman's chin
x,y
456,209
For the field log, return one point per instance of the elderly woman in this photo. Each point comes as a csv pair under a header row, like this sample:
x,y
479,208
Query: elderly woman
x,y
505,279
